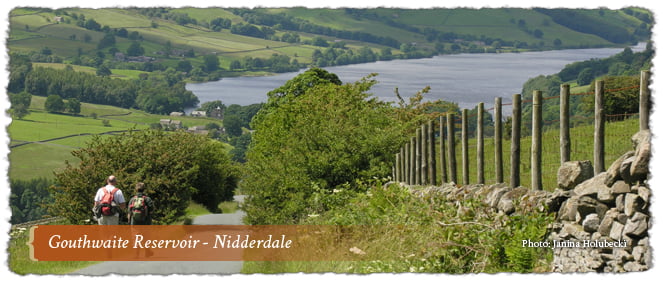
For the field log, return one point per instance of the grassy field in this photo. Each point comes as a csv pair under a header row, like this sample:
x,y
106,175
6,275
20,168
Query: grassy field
x,y
34,29
41,159
618,142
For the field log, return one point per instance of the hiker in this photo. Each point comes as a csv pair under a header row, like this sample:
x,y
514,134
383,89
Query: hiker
x,y
140,207
108,202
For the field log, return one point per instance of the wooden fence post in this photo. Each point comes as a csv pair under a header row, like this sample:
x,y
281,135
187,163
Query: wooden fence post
x,y
424,154
564,130
417,145
599,129
644,99
413,160
465,158
537,123
397,172
451,142
479,137
515,141
402,164
432,170
443,151
499,174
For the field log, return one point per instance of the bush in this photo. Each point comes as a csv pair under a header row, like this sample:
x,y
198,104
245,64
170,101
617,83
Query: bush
x,y
176,167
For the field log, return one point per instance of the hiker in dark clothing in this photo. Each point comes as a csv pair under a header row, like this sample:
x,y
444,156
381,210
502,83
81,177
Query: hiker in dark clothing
x,y
140,207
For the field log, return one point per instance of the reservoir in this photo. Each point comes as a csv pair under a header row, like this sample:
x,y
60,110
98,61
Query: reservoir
x,y
465,79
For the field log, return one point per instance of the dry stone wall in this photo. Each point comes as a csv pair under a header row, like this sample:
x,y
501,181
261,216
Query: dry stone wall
x,y
602,221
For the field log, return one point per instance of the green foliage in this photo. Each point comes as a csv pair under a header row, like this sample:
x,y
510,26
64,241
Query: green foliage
x,y
405,231
328,135
73,106
176,167
233,125
54,104
28,199
624,101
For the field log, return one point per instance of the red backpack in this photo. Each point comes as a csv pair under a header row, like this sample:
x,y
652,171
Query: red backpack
x,y
106,203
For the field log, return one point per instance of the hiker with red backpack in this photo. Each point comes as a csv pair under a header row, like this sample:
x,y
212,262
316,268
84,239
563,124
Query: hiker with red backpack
x,y
140,207
108,202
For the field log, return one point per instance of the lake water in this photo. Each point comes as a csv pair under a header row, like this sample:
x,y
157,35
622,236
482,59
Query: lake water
x,y
466,79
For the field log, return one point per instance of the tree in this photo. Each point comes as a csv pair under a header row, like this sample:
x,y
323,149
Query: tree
x,y
135,49
184,66
329,137
54,103
198,169
107,41
233,125
235,65
104,70
73,106
211,62
211,106
19,111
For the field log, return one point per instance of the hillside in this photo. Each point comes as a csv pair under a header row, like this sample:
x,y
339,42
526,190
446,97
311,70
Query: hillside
x,y
249,41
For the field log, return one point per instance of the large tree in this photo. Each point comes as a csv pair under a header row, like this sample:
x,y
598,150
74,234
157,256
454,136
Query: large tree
x,y
176,167
327,137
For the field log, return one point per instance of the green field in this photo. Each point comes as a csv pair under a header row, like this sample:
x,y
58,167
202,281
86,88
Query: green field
x,y
41,159
32,29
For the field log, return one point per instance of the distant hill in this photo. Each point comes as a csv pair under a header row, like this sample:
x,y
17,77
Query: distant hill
x,y
285,39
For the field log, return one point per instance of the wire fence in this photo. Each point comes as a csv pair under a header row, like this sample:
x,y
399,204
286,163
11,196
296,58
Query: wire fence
x,y
526,153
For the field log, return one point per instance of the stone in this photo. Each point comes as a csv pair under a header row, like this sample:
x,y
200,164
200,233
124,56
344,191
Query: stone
x,y
591,223
639,254
591,186
644,193
568,209
632,266
619,202
606,225
493,198
573,173
616,231
620,187
640,166
588,205
574,231
506,202
605,194
625,170
557,198
633,203
613,170
637,225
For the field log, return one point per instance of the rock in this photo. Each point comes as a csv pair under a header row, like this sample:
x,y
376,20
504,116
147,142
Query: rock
x,y
637,225
568,210
616,231
555,200
614,171
493,197
588,205
640,166
625,170
619,202
572,173
605,194
591,222
591,186
574,231
639,253
634,266
620,187
506,202
644,193
633,203
606,223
